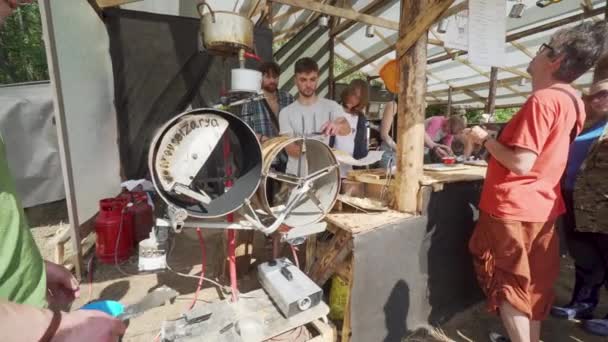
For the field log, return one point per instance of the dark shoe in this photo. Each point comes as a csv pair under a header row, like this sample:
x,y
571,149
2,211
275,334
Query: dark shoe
x,y
574,311
597,327
494,337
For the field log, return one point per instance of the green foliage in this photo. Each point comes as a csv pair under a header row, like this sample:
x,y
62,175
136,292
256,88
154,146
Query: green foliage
x,y
434,110
500,115
22,55
341,66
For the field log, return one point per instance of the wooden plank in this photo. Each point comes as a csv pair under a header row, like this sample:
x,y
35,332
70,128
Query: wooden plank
x,y
311,253
340,247
419,25
368,9
346,325
359,223
491,104
113,3
341,12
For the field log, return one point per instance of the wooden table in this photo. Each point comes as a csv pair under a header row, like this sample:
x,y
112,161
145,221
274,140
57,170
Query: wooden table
x,y
335,256
324,259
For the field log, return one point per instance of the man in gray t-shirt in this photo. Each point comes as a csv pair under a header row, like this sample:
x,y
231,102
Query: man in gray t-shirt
x,y
309,114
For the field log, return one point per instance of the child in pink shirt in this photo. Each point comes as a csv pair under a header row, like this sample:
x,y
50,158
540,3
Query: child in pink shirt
x,y
439,134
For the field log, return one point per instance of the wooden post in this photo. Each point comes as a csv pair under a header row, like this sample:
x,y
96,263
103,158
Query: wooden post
x,y
411,107
491,104
449,109
330,78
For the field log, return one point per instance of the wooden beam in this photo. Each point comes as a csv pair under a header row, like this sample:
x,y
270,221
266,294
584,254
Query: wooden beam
x,y
523,49
365,62
368,9
534,30
478,86
255,9
330,77
449,109
421,23
475,96
113,3
455,9
353,50
341,12
491,104
382,37
411,105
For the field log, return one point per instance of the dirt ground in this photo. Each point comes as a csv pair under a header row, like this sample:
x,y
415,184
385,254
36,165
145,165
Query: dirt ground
x,y
108,283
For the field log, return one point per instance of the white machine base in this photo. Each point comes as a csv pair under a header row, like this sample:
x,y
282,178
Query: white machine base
x,y
219,321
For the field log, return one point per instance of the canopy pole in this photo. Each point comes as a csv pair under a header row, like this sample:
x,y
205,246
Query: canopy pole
x,y
410,110
332,55
491,104
449,109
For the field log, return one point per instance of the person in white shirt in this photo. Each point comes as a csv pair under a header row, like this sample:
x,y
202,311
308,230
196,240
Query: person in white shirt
x,y
354,101
309,114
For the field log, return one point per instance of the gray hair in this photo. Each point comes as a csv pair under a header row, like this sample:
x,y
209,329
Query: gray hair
x,y
581,46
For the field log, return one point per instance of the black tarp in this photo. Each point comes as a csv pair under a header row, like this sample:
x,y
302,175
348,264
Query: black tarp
x,y
158,72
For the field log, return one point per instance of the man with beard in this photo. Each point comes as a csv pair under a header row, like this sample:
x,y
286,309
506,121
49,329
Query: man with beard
x,y
28,284
263,115
309,114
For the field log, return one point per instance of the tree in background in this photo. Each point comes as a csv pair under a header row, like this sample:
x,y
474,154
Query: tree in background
x,y
22,55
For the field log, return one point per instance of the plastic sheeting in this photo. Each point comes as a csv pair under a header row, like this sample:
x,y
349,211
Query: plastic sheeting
x,y
30,136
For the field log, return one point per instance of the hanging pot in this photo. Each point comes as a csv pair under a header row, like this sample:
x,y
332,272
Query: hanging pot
x,y
225,32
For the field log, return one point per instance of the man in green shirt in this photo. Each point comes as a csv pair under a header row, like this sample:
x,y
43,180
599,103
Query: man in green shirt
x,y
28,284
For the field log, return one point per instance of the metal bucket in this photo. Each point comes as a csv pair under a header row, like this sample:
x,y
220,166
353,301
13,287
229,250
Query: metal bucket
x,y
324,190
187,159
225,32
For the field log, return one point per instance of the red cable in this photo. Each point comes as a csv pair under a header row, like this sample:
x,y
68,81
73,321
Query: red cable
x,y
294,251
232,259
230,218
204,257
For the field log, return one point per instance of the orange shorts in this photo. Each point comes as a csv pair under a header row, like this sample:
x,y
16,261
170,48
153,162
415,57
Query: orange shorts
x,y
517,262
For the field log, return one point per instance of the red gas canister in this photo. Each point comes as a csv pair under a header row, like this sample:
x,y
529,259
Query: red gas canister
x,y
112,238
143,214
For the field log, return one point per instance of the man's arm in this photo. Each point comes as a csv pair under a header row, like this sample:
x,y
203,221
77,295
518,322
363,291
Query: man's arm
x,y
22,322
518,160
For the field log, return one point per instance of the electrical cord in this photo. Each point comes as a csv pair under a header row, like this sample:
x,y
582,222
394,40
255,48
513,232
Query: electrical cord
x,y
116,264
222,287
294,251
203,265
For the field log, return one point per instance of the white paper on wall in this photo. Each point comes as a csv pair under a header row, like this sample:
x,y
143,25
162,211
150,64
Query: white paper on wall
x,y
457,34
487,32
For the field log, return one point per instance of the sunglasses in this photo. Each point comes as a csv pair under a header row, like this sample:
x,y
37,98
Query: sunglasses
x,y
600,95
543,47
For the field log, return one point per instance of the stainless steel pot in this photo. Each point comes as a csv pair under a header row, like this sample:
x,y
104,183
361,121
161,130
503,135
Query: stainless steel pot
x,y
225,32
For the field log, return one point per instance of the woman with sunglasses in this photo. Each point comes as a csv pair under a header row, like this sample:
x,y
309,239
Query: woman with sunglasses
x,y
588,249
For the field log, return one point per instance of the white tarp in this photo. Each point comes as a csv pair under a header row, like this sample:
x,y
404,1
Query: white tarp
x,y
30,136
